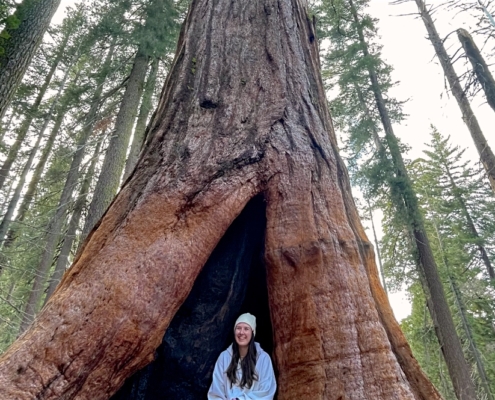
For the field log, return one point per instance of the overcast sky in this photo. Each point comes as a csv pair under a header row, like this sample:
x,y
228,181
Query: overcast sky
x,y
421,78
421,82
406,48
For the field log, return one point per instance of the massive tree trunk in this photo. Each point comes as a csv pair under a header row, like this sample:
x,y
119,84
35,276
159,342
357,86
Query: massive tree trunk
x,y
485,152
21,44
243,113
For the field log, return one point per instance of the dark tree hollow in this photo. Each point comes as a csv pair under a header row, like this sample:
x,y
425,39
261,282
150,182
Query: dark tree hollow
x,y
233,281
242,113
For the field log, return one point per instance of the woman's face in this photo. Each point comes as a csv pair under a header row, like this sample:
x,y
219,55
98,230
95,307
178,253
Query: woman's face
x,y
243,334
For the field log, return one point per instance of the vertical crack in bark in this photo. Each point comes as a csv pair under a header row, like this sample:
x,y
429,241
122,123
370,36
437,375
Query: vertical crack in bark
x,y
270,131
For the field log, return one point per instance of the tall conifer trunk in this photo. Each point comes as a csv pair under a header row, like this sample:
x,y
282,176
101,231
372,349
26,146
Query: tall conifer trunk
x,y
21,44
138,138
73,225
243,113
40,166
6,221
480,243
484,150
55,224
480,68
30,115
114,161
432,284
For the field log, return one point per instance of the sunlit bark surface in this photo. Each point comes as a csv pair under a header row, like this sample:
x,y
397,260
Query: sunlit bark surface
x,y
242,113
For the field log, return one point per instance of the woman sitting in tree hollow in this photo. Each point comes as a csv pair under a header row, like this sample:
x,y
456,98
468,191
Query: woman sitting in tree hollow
x,y
244,371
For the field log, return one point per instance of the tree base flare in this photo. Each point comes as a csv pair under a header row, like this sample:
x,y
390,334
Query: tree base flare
x,y
252,119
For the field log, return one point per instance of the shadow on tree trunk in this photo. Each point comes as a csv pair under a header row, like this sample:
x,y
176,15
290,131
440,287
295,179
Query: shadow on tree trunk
x,y
233,281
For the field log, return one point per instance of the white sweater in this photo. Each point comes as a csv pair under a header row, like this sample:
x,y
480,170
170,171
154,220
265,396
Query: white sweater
x,y
263,389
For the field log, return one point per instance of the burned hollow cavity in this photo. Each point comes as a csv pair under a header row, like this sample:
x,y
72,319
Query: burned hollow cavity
x,y
233,281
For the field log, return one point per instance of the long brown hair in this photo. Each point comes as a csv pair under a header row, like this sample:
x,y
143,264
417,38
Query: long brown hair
x,y
248,365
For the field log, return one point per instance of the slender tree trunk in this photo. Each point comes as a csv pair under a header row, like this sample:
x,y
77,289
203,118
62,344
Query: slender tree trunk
x,y
465,323
26,123
486,154
480,67
251,120
376,138
381,153
440,312
470,337
478,240
5,126
55,225
140,129
487,13
33,183
40,166
471,226
4,226
70,236
114,161
380,266
23,42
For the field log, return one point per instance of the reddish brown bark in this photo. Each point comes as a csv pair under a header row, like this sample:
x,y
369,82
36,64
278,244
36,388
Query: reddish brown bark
x,y
243,112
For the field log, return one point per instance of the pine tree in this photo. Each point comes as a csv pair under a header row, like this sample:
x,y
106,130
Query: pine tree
x,y
138,137
368,88
159,20
443,182
54,227
31,114
461,194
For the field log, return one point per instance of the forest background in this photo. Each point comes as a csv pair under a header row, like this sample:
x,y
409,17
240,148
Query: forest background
x,y
65,115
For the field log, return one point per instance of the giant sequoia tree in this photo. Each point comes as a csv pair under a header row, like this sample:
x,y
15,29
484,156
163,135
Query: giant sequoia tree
x,y
242,124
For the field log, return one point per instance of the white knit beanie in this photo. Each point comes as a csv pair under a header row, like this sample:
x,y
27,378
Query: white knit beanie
x,y
249,319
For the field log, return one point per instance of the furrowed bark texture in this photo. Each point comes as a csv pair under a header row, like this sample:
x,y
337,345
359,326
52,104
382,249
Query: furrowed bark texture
x,y
21,46
232,281
242,112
